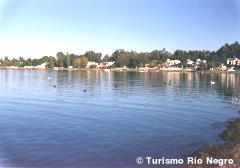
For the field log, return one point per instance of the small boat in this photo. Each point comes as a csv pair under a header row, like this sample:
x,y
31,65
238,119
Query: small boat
x,y
231,69
106,70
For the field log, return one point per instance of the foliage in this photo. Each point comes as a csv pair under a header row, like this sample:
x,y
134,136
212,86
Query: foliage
x,y
132,59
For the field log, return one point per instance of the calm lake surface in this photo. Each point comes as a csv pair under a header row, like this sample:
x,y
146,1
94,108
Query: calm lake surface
x,y
122,115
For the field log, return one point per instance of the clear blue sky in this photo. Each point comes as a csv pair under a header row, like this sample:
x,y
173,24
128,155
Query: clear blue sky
x,y
33,28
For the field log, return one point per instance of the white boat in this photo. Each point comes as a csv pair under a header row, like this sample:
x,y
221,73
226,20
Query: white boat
x,y
231,69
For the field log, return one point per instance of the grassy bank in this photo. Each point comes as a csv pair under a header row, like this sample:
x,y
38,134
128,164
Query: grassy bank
x,y
229,150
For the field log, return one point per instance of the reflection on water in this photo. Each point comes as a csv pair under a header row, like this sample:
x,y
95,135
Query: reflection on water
x,y
121,115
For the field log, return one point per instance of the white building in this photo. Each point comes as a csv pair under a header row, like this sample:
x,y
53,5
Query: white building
x,y
106,64
190,62
199,61
232,61
172,62
89,64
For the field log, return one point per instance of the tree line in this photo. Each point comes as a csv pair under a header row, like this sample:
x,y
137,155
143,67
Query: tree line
x,y
130,59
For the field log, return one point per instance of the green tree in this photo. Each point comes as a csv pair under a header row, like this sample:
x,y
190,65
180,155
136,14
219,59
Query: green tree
x,y
6,61
1,62
51,62
92,56
106,58
77,62
15,62
60,59
68,60
84,61
36,62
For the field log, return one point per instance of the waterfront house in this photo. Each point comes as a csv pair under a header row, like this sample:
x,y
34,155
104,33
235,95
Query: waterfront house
x,y
199,62
170,63
106,64
190,62
91,64
232,61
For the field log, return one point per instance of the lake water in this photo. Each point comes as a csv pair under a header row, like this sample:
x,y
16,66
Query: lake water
x,y
122,115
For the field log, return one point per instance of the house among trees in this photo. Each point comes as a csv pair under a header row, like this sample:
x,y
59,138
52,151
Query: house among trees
x,y
106,64
192,59
200,63
233,61
190,62
92,64
170,63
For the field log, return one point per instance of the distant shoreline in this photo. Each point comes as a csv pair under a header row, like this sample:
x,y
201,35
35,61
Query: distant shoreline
x,y
126,70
